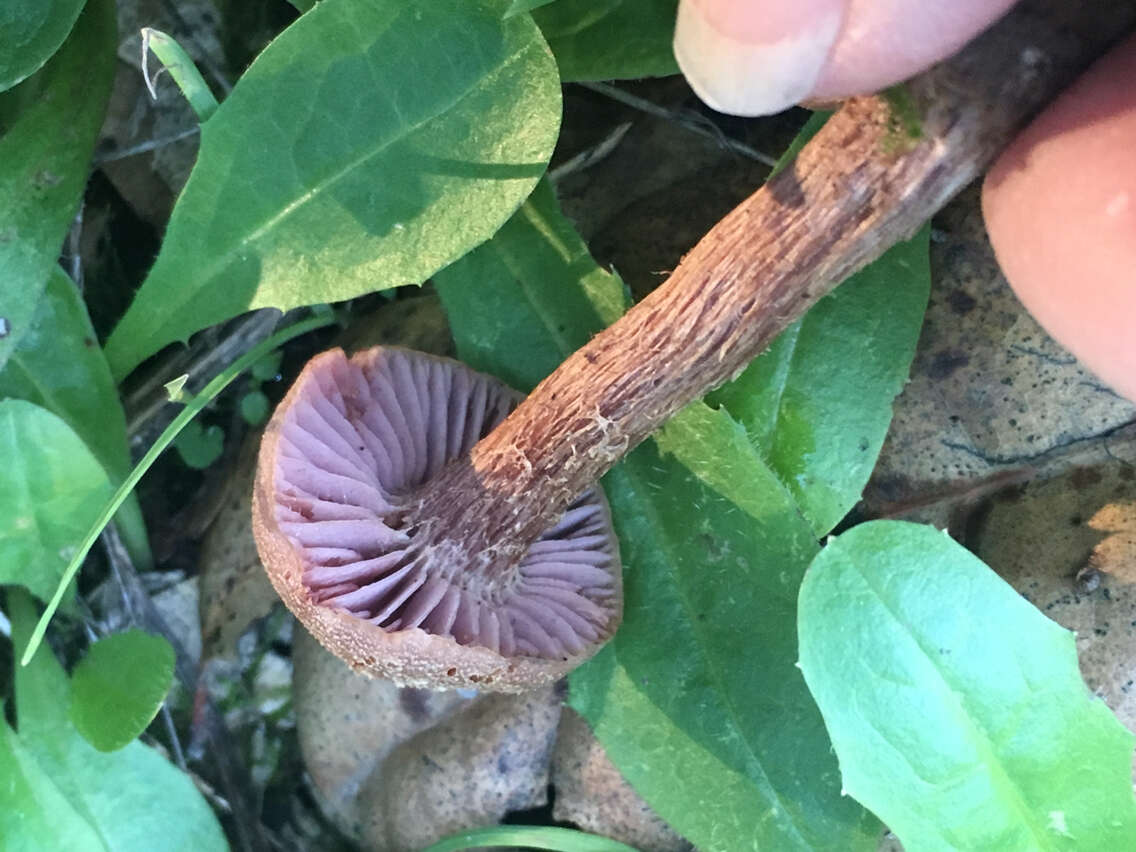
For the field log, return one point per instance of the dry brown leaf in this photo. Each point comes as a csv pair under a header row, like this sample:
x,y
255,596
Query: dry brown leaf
x,y
1116,554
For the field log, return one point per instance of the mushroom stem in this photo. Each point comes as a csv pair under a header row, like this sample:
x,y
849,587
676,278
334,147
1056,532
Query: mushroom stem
x,y
862,184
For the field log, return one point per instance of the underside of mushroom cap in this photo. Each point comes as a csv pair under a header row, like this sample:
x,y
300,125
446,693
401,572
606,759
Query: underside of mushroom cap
x,y
347,452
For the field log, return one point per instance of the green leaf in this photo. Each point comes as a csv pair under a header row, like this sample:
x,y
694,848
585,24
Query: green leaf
x,y
50,126
956,708
33,31
610,39
199,446
529,837
268,367
255,407
371,144
708,718
131,799
34,814
51,490
118,688
697,699
818,402
520,303
58,365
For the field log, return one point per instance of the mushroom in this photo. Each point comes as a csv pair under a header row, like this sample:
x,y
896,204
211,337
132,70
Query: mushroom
x,y
343,466
859,186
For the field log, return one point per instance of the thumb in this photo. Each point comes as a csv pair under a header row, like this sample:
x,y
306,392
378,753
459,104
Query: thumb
x,y
755,57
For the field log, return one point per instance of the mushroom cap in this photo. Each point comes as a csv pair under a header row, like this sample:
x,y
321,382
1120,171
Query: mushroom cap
x,y
340,462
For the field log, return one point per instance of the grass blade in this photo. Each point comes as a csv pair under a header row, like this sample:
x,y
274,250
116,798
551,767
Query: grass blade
x,y
192,408
530,837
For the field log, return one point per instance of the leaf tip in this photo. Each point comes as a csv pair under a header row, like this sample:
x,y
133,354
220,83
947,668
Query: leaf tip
x,y
175,388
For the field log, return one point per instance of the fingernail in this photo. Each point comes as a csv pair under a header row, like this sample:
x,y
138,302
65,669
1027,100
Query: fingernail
x,y
755,57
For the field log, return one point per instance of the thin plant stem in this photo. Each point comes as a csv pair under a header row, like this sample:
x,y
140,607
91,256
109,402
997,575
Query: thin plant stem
x,y
191,410
134,534
171,732
146,147
693,121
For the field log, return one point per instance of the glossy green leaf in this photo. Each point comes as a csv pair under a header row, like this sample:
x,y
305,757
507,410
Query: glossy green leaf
x,y
132,799
51,490
610,39
708,718
51,123
371,144
119,686
59,366
957,709
529,837
818,401
30,32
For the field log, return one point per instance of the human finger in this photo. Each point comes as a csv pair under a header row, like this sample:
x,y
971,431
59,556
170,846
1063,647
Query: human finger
x,y
756,57
886,41
1060,207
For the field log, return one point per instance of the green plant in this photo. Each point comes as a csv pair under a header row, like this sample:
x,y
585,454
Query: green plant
x,y
376,144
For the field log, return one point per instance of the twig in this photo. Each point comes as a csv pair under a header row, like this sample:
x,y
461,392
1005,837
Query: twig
x,y
693,121
175,741
1091,449
144,147
590,156
120,563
